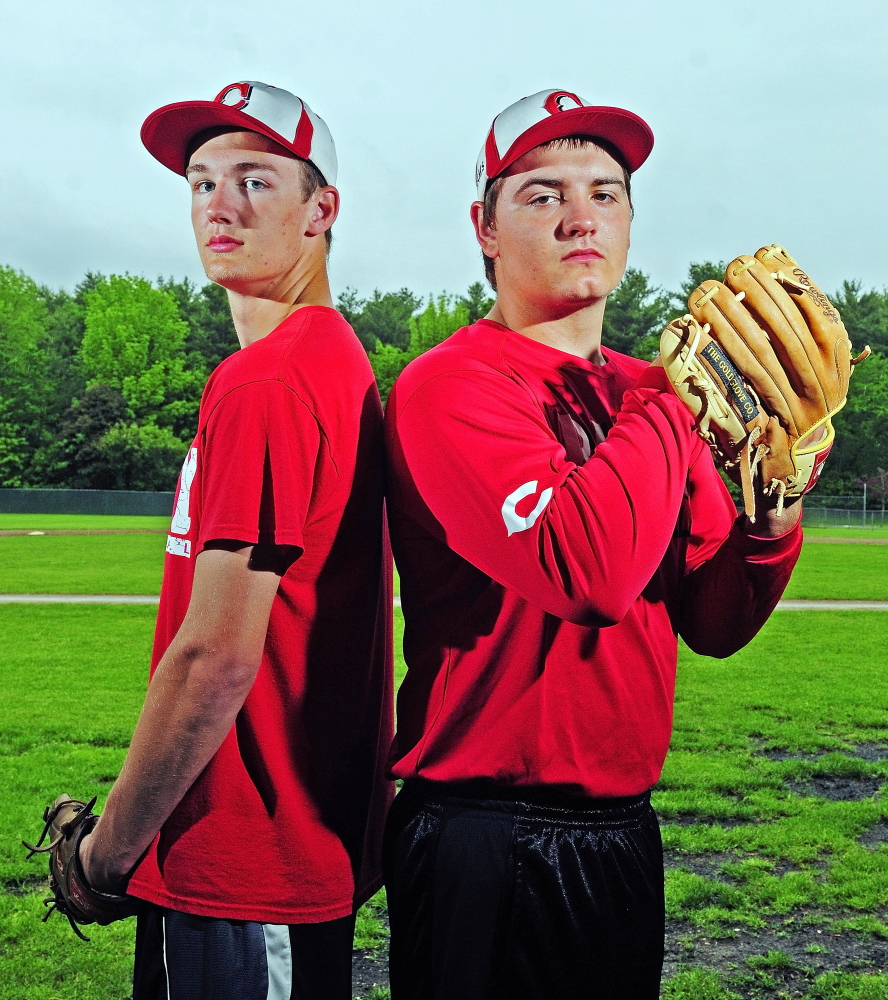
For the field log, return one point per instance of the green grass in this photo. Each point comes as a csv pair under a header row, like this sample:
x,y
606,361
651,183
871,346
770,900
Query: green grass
x,y
837,532
81,522
81,564
850,572
133,564
72,679
811,684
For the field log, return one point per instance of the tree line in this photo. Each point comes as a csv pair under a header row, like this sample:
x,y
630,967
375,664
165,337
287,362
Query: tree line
x,y
100,387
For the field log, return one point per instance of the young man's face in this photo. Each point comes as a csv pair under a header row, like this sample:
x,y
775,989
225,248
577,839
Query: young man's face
x,y
560,234
250,217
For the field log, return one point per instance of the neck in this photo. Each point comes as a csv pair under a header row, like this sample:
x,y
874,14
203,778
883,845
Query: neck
x,y
259,310
574,328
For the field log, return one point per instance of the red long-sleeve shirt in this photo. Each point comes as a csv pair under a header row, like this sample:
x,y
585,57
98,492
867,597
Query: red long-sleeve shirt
x,y
556,524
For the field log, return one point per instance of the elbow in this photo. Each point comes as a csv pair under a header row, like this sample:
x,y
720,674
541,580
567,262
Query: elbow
x,y
216,674
597,613
719,647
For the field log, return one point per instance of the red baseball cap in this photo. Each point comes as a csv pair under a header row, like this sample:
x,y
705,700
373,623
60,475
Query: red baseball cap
x,y
249,105
555,114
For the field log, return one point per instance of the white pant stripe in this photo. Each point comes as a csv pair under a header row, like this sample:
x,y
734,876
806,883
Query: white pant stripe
x,y
280,961
166,964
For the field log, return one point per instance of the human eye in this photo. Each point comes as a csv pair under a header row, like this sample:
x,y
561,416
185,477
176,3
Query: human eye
x,y
545,198
605,197
254,184
204,187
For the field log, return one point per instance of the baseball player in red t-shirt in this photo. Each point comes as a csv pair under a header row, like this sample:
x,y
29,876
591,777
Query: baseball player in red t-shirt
x,y
557,523
248,814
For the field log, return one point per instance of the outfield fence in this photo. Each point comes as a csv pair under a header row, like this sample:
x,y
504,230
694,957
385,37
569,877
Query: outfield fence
x,y
843,512
23,501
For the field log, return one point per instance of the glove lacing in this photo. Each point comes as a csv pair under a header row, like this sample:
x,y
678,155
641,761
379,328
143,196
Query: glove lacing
x,y
749,461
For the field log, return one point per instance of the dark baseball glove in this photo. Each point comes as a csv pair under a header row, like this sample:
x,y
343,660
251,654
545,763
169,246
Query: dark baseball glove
x,y
67,822
763,363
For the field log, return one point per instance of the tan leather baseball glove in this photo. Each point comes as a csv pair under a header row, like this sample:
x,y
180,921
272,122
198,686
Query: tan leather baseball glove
x,y
67,821
763,363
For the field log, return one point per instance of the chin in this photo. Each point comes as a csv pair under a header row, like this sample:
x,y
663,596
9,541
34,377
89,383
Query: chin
x,y
584,295
226,273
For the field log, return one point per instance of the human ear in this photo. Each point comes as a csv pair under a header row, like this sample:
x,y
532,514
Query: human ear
x,y
324,210
484,234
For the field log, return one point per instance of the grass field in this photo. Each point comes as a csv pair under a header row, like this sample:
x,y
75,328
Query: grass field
x,y
132,564
852,572
81,564
774,819
838,532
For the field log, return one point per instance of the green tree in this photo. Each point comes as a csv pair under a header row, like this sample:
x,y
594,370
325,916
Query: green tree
x,y
865,315
440,318
382,317
211,335
26,388
134,341
142,457
698,272
477,302
635,314
861,446
62,334
74,459
387,363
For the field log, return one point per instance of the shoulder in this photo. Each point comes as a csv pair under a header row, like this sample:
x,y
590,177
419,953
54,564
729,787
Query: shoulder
x,y
471,352
315,346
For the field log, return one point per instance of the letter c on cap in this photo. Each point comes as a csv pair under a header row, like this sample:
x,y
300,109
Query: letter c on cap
x,y
514,521
236,96
561,100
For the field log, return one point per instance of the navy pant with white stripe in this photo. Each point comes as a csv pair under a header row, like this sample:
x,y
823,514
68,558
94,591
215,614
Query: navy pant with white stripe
x,y
183,957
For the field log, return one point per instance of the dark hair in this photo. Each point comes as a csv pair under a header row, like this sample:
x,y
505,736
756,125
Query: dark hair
x,y
491,195
312,178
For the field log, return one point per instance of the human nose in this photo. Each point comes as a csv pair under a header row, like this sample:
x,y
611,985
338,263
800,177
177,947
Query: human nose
x,y
220,207
579,217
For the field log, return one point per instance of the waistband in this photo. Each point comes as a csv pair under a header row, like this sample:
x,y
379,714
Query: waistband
x,y
528,799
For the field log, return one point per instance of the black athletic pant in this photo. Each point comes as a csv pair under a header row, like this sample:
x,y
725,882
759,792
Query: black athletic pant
x,y
542,897
183,957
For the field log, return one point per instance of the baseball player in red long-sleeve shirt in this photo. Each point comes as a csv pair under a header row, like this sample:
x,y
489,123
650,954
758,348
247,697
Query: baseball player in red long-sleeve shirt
x,y
557,524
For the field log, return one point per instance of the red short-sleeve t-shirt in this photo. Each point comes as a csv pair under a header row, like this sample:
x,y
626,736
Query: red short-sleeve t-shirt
x,y
284,825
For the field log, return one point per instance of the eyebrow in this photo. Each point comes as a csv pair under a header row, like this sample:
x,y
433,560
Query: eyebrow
x,y
555,182
244,167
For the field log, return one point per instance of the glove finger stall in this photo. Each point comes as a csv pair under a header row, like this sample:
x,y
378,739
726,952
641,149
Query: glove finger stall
x,y
747,345
778,314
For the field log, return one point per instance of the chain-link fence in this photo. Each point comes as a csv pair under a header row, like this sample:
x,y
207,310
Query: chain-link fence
x,y
843,512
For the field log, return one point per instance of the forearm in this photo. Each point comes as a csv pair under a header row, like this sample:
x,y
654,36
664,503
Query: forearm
x,y
768,523
727,599
580,541
191,704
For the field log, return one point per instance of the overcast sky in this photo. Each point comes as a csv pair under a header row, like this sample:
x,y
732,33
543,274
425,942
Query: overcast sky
x,y
770,123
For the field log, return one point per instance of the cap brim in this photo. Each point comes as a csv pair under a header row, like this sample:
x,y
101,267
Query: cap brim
x,y
167,132
631,135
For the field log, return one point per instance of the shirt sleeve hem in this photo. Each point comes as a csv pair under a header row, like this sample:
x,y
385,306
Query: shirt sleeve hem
x,y
751,544
249,536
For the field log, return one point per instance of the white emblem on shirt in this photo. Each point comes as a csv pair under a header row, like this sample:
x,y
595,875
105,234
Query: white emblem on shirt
x,y
178,546
514,521
181,523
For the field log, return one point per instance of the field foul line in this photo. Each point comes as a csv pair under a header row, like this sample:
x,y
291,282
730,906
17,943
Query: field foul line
x,y
151,599
78,599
